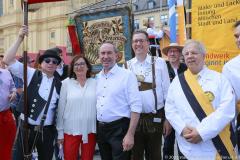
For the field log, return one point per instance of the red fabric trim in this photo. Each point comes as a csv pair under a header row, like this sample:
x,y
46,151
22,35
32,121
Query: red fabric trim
x,y
42,1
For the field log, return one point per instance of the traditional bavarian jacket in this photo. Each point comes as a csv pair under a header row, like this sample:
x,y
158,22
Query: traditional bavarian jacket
x,y
39,86
180,114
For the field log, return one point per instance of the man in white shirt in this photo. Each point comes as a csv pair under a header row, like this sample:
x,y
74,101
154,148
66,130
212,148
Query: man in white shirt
x,y
231,71
40,85
153,83
200,107
118,106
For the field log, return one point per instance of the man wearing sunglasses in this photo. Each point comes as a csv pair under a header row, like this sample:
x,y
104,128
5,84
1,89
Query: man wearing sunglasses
x,y
43,94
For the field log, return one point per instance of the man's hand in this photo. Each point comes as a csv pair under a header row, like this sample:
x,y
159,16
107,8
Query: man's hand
x,y
60,141
186,130
167,128
12,96
193,136
23,31
128,142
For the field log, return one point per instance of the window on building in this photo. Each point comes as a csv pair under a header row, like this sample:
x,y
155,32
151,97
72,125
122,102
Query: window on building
x,y
150,18
11,2
1,7
135,7
52,35
136,24
164,19
151,4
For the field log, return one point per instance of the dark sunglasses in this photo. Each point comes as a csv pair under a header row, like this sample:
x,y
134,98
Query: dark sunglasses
x,y
48,60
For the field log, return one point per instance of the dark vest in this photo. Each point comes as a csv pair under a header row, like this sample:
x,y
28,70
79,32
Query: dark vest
x,y
64,75
171,72
35,102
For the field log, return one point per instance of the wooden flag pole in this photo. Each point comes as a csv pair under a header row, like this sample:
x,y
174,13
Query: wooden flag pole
x,y
26,153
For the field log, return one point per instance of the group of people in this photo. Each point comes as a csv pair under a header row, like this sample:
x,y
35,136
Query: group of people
x,y
126,110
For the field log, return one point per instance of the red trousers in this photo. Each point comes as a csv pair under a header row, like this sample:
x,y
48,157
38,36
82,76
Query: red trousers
x,y
7,134
73,143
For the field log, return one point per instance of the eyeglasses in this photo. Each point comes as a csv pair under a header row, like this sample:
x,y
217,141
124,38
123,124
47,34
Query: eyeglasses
x,y
79,64
48,60
139,40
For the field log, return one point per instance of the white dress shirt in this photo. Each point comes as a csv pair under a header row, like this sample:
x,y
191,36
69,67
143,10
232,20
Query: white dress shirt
x,y
117,94
180,114
232,71
77,109
44,90
162,81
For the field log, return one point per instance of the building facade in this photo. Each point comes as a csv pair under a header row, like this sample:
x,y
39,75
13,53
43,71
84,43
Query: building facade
x,y
47,24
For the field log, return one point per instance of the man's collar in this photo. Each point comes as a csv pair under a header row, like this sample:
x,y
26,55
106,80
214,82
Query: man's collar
x,y
112,70
45,75
147,60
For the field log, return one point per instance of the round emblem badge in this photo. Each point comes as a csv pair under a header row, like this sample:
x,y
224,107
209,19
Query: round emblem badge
x,y
209,95
140,78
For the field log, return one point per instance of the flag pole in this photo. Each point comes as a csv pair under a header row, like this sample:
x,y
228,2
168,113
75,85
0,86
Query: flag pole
x,y
27,155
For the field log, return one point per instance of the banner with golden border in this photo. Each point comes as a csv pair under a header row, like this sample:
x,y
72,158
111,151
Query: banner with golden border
x,y
212,24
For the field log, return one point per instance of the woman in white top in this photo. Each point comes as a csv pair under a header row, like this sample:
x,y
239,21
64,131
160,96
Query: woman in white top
x,y
76,118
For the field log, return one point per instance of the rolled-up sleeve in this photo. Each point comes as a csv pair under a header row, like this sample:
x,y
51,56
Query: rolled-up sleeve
x,y
133,94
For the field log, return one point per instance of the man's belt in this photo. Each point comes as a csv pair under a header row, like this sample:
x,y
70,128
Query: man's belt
x,y
36,127
160,114
145,86
113,123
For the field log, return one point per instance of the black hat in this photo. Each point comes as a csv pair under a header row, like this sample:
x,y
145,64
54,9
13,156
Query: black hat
x,y
49,53
56,49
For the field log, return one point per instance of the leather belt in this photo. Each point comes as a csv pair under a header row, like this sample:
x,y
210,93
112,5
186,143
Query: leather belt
x,y
113,123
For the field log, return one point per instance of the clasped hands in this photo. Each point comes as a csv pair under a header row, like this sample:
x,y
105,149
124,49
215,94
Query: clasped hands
x,y
191,135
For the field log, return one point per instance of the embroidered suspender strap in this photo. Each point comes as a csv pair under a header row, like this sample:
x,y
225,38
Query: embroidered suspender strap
x,y
154,82
202,108
47,105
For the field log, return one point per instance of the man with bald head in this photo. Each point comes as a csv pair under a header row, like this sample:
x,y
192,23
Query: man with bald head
x,y
118,106
202,108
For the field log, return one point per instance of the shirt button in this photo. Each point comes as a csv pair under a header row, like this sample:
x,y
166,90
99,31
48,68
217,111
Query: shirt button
x,y
33,105
35,100
101,105
32,110
103,96
31,115
104,87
